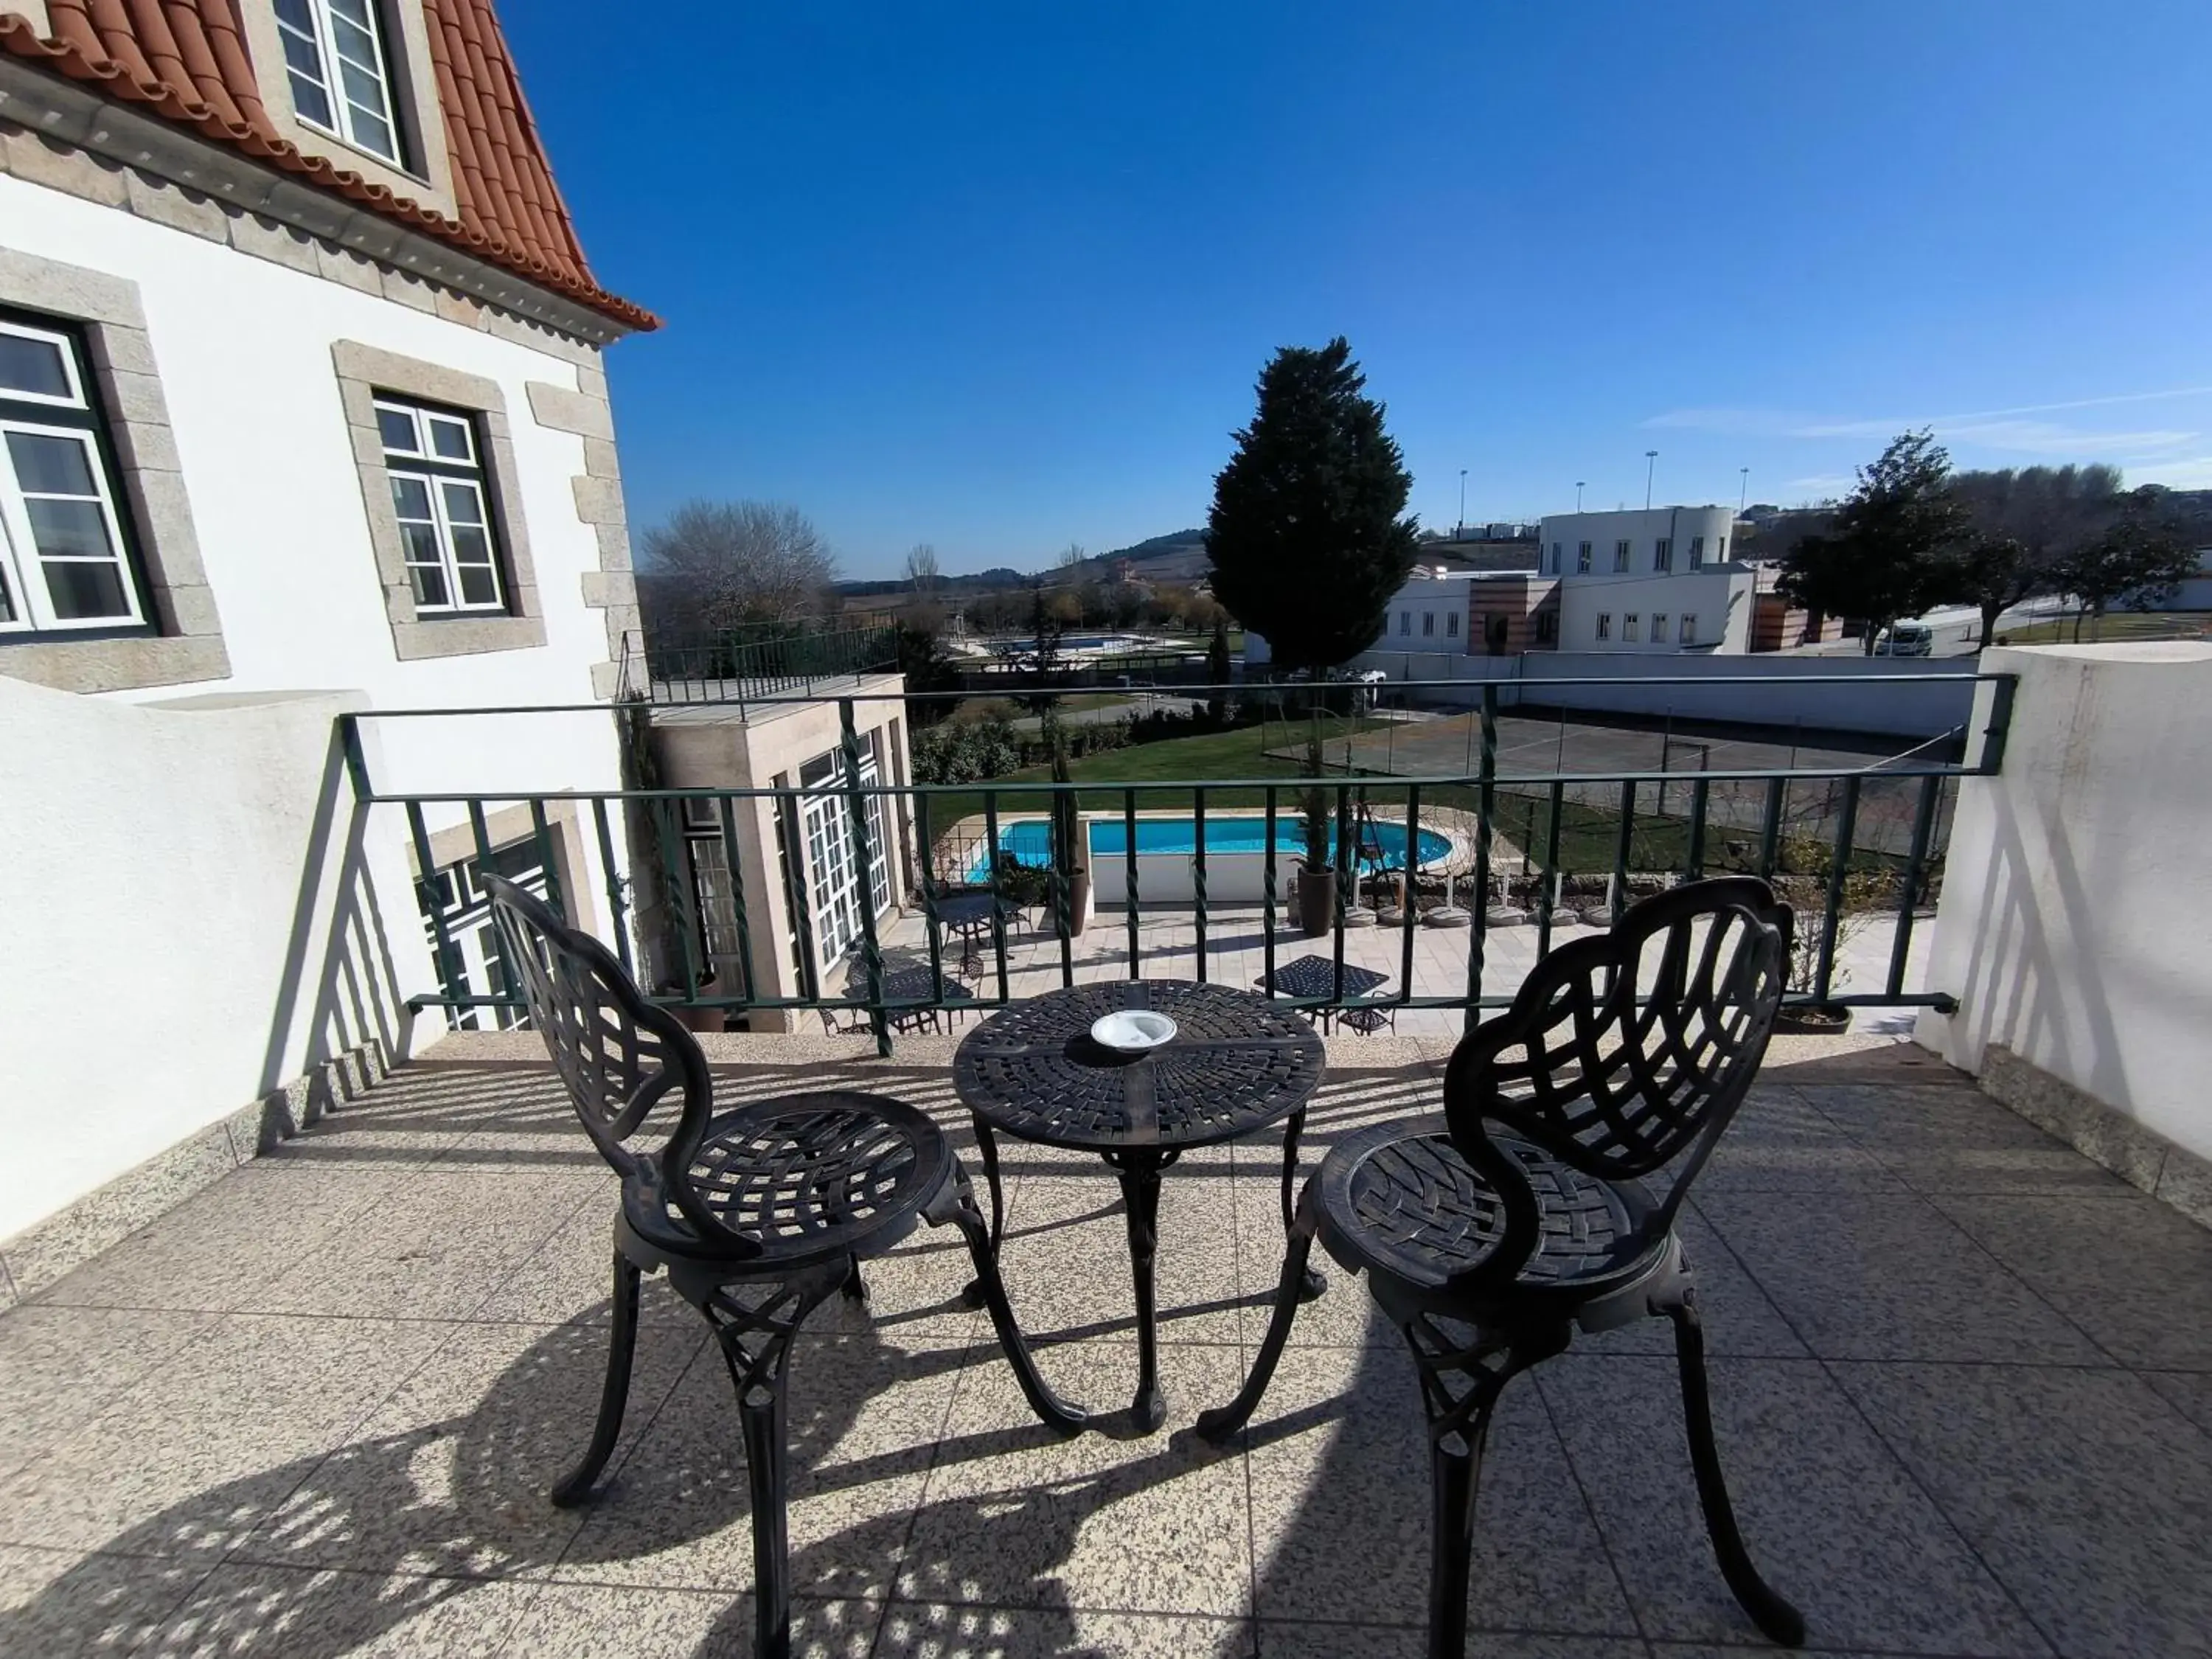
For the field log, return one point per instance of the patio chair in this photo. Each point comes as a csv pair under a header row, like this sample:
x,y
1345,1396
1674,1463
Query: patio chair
x,y
758,1213
1514,1236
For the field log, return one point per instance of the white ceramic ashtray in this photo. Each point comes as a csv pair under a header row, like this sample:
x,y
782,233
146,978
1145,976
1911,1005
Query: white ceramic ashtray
x,y
1132,1031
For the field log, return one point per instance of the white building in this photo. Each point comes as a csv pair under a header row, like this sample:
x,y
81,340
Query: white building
x,y
1658,579
301,411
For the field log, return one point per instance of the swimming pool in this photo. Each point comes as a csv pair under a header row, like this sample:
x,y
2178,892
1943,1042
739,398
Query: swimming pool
x,y
1030,840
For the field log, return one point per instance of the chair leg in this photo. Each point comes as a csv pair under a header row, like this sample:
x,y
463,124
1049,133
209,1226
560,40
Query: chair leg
x,y
755,1345
622,1343
1222,1421
987,1143
1314,1284
856,1288
957,1205
1780,1621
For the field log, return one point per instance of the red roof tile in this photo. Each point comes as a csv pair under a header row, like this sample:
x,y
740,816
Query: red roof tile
x,y
187,60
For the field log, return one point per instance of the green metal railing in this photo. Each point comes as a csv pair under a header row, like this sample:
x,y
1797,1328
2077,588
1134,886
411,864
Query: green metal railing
x,y
762,664
1634,843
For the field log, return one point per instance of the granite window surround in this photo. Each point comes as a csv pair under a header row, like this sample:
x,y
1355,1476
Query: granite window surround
x,y
184,644
362,372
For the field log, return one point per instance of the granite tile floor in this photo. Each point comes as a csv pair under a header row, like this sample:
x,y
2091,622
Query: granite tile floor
x,y
1960,1378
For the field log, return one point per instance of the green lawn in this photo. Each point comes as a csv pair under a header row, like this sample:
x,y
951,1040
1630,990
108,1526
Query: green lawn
x,y
2114,625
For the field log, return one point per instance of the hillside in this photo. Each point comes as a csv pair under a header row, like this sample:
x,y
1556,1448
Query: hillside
x,y
1178,557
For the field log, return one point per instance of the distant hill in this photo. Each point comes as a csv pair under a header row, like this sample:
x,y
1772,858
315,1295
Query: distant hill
x,y
1178,557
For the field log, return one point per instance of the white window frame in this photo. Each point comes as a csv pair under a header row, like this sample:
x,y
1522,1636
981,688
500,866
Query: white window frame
x,y
1658,627
1451,624
437,472
1555,558
1604,625
1620,550
30,608
1662,553
323,38
1405,623
1583,555
1697,551
1428,624
1689,629
1631,628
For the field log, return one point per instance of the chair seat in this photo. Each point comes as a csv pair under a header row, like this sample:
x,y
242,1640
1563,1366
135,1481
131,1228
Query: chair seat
x,y
811,1177
1401,1202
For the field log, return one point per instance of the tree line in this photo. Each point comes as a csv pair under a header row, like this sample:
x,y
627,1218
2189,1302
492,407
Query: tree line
x,y
1915,535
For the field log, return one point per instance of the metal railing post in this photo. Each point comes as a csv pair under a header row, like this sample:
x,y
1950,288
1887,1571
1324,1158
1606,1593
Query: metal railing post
x,y
1923,824
1477,935
1197,871
1268,896
1838,870
617,917
856,806
1129,879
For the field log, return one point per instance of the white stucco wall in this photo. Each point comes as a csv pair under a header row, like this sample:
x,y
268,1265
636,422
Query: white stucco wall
x,y
1642,528
1719,597
1423,612
2076,924
172,878
156,840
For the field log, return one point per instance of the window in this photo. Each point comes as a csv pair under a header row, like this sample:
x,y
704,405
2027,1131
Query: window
x,y
1720,550
1662,553
1632,627
1547,627
1428,623
1605,625
1405,622
1620,555
1555,558
1689,635
1697,551
63,565
347,36
433,458
1658,627
1451,623
1582,560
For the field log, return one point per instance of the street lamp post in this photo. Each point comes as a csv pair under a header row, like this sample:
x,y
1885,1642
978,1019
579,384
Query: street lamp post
x,y
1579,494
1650,465
1463,502
1743,494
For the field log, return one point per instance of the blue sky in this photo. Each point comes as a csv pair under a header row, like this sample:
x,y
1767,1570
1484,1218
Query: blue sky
x,y
1000,277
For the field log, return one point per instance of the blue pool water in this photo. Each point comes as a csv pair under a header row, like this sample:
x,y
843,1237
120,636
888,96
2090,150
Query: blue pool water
x,y
1030,839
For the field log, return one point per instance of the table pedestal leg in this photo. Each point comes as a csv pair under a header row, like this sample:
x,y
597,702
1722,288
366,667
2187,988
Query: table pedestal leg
x,y
988,1144
1313,1284
1141,1202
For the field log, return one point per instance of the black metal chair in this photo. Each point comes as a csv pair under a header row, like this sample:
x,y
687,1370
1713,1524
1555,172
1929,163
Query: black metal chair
x,y
757,1213
1518,1234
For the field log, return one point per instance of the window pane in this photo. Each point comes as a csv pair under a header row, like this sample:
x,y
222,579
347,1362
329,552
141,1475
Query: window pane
x,y
311,102
411,498
421,542
463,504
33,366
471,545
429,586
450,439
7,599
51,466
396,426
478,584
81,592
69,530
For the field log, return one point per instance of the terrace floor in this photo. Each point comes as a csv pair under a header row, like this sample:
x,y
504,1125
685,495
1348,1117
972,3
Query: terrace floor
x,y
1167,947
1963,1382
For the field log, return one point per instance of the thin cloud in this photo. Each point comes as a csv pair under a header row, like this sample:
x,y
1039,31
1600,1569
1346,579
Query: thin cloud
x,y
2000,427
2195,474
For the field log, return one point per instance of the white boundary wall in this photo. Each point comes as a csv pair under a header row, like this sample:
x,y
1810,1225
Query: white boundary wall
x,y
1889,710
2076,926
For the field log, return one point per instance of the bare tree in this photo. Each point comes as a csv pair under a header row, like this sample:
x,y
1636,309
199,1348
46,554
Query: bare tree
x,y
1072,555
717,564
921,571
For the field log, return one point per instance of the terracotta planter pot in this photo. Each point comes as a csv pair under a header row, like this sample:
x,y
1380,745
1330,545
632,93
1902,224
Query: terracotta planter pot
x,y
1079,898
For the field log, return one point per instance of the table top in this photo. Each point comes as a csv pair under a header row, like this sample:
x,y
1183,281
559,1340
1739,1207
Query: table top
x,y
965,910
1315,976
1237,1063
907,982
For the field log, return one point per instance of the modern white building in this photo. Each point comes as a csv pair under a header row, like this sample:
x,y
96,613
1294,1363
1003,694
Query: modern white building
x,y
301,412
1657,580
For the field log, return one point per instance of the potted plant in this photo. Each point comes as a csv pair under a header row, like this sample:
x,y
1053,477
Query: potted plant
x,y
1862,891
1316,871
1069,849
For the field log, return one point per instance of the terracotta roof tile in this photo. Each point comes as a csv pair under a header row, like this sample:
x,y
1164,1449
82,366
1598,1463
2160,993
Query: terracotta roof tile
x,y
187,60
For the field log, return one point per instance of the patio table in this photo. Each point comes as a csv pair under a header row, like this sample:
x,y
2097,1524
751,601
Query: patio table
x,y
969,917
909,981
1312,977
1237,1063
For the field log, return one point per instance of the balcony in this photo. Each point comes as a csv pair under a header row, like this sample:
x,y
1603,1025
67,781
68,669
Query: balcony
x,y
1961,1349
1961,1379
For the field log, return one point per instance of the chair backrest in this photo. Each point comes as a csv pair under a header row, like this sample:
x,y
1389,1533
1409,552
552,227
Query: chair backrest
x,y
1630,1051
619,1054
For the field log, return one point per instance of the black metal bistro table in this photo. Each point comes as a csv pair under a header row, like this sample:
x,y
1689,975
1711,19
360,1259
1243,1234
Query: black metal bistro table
x,y
970,918
909,982
1236,1064
1313,977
